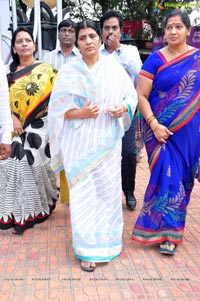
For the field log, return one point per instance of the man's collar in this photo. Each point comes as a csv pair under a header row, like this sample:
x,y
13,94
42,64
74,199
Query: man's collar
x,y
74,50
103,48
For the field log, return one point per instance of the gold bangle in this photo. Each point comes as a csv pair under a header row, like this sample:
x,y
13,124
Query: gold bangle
x,y
151,120
148,120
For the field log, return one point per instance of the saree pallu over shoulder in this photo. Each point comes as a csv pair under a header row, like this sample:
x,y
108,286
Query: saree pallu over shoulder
x,y
29,192
92,85
174,104
30,91
175,101
90,151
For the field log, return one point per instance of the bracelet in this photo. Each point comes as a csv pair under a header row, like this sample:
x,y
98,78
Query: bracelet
x,y
150,118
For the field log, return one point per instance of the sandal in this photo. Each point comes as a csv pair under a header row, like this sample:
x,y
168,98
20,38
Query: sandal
x,y
88,266
167,247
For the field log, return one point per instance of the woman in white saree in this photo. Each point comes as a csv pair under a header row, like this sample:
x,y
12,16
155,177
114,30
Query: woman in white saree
x,y
91,106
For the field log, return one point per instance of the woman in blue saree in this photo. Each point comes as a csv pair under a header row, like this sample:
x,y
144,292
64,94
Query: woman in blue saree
x,y
169,100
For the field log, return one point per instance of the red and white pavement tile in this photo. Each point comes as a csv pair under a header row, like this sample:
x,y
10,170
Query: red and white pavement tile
x,y
40,264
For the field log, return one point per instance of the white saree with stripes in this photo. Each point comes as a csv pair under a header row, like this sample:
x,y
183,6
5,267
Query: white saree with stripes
x,y
90,152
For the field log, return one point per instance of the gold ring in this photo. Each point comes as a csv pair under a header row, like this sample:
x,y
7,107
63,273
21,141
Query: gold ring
x,y
162,140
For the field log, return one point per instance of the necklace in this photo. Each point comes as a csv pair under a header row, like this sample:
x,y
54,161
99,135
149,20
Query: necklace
x,y
171,54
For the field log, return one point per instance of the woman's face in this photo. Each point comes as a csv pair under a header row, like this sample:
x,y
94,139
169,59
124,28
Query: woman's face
x,y
88,42
176,32
24,45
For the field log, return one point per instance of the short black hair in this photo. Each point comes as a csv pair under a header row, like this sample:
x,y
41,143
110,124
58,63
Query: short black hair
x,y
112,14
67,23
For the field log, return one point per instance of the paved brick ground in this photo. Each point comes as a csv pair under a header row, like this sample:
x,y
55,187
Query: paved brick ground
x,y
40,264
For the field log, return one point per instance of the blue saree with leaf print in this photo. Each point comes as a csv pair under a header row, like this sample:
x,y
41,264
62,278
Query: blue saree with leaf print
x,y
175,101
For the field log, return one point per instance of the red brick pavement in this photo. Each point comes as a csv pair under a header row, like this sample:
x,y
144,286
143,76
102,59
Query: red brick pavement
x,y
40,264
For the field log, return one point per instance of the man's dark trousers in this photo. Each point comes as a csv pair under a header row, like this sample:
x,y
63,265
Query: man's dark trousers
x,y
129,159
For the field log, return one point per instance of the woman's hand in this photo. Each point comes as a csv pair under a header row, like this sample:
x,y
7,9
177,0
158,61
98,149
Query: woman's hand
x,y
117,110
4,151
18,129
161,132
90,110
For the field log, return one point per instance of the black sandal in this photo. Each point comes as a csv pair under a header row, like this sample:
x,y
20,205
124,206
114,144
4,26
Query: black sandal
x,y
167,247
89,267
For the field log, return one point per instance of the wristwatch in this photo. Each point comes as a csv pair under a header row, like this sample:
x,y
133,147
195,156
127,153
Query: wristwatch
x,y
118,51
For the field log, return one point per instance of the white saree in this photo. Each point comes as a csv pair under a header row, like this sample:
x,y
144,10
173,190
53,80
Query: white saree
x,y
90,151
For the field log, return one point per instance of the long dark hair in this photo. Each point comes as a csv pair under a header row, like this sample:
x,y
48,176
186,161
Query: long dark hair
x,y
15,56
85,24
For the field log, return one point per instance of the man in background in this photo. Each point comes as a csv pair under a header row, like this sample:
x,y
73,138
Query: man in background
x,y
194,38
66,50
111,24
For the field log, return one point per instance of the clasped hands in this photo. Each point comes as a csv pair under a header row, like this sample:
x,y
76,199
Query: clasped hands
x,y
91,110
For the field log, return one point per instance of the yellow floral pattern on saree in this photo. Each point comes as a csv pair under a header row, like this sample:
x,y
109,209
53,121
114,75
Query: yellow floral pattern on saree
x,y
30,91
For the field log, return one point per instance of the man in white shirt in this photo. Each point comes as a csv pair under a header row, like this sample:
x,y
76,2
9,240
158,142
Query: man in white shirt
x,y
111,24
66,51
6,123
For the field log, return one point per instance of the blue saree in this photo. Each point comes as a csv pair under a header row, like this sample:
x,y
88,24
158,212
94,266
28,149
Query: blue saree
x,y
175,101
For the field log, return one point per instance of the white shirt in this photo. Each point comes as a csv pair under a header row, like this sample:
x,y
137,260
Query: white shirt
x,y
128,57
6,123
57,58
